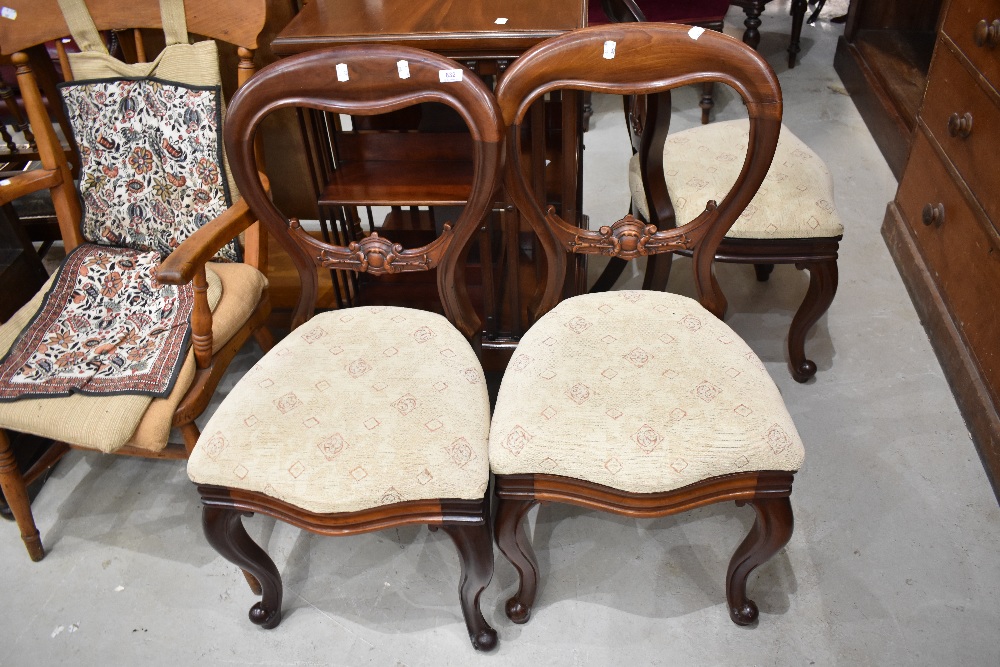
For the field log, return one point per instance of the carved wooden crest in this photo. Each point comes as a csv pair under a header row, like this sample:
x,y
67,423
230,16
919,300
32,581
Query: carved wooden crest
x,y
628,238
374,254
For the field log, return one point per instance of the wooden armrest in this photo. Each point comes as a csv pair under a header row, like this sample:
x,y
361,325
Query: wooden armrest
x,y
186,264
27,182
180,266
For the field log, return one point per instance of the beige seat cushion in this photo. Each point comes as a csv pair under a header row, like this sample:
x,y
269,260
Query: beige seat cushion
x,y
639,391
107,423
795,201
355,409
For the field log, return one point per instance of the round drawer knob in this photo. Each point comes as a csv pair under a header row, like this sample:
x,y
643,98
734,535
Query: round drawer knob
x,y
987,34
933,214
960,125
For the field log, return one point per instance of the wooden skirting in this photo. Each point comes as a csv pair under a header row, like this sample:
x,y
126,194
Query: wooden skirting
x,y
981,414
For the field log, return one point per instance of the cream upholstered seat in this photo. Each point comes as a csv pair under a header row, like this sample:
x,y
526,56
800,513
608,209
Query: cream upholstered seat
x,y
673,398
110,422
391,407
794,202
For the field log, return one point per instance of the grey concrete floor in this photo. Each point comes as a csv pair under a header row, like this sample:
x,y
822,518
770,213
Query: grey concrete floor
x,y
894,558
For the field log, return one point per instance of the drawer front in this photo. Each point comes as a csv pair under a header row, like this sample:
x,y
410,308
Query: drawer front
x,y
961,25
962,252
971,143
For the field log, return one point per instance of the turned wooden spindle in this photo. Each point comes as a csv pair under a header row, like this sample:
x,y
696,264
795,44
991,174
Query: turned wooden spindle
x,y
16,494
201,320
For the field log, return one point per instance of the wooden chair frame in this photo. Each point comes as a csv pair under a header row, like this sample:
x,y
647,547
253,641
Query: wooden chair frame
x,y
304,81
650,58
39,21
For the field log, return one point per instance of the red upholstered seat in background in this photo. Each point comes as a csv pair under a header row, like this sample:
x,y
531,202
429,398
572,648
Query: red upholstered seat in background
x,y
668,11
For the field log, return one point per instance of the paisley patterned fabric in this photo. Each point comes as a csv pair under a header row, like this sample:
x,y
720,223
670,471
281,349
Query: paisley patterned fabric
x,y
357,408
795,201
639,391
106,327
150,161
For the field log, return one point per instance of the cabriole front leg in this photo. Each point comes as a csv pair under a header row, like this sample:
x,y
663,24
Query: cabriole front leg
x,y
514,544
225,532
475,551
770,532
822,289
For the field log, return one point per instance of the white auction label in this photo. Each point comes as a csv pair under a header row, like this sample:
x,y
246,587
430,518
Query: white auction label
x,y
696,32
501,21
609,50
8,13
403,67
447,75
342,72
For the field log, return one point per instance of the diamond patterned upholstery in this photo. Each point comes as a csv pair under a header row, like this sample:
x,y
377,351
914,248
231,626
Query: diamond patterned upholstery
x,y
675,398
795,200
389,405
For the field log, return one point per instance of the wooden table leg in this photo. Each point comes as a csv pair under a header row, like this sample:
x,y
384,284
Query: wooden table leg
x,y
798,16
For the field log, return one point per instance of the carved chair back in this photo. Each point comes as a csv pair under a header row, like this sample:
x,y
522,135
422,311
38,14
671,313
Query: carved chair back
x,y
37,22
640,59
364,81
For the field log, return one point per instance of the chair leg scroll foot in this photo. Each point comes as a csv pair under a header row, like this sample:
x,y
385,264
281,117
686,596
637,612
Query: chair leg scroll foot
x,y
514,544
16,494
822,289
770,532
225,532
475,550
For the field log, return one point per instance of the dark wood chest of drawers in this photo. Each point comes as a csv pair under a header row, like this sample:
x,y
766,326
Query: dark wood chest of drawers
x,y
943,227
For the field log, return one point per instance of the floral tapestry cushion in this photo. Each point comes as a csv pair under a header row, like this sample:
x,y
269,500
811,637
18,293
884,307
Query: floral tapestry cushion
x,y
150,161
106,327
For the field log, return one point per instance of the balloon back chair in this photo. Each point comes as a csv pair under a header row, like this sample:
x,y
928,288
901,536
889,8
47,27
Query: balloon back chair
x,y
362,418
640,403
230,299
